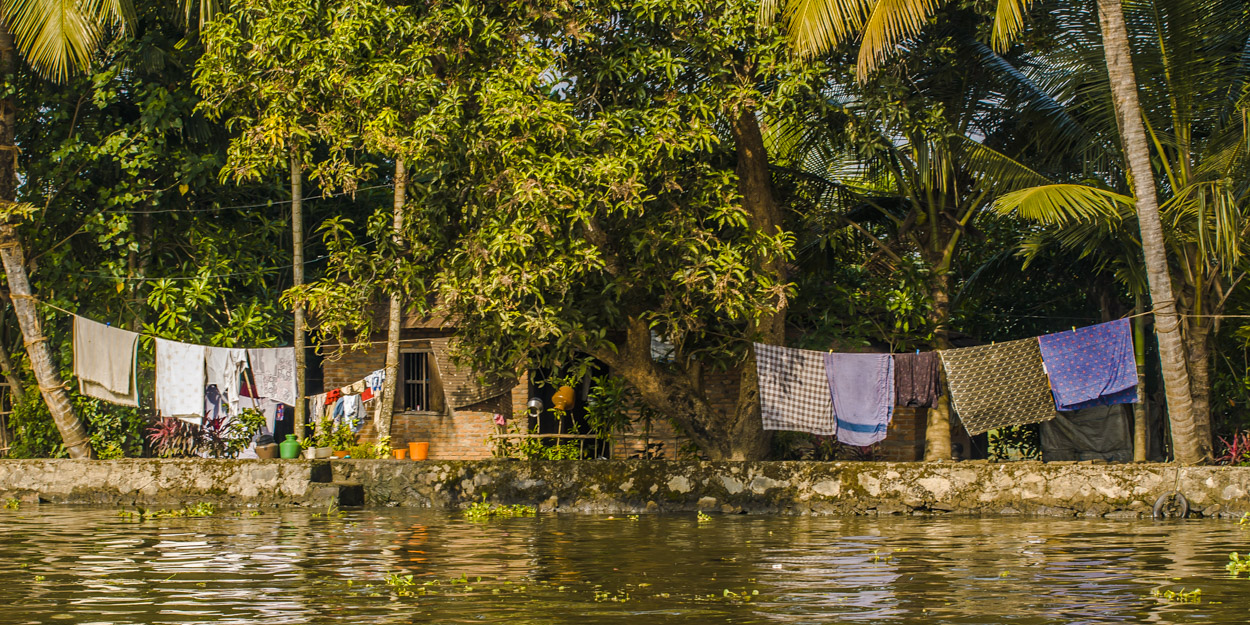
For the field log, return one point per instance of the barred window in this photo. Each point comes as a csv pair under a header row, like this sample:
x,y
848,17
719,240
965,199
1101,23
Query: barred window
x,y
416,381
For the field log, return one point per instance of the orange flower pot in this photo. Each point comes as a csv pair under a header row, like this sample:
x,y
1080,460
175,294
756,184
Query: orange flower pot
x,y
340,454
418,451
400,454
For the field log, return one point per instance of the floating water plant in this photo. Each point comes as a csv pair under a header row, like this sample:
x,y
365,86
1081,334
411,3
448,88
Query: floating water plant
x,y
201,509
12,504
1238,565
1179,596
481,510
703,518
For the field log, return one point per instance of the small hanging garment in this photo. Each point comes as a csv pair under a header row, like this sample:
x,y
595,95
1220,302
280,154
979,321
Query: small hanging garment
x,y
353,412
104,362
373,384
794,391
316,407
332,397
1091,366
862,387
274,371
213,409
998,385
222,367
180,380
917,382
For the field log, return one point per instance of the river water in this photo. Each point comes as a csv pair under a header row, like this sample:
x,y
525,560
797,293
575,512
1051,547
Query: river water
x,y
88,565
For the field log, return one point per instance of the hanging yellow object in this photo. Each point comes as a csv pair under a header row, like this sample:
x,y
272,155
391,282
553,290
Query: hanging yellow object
x,y
563,398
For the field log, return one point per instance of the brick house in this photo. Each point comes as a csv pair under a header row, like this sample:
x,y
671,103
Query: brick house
x,y
439,402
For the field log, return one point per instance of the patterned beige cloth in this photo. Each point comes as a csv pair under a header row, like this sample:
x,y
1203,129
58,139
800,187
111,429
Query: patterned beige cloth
x,y
998,385
794,392
180,380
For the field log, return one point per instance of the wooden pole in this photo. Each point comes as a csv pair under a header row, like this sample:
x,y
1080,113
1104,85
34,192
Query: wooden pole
x,y
297,265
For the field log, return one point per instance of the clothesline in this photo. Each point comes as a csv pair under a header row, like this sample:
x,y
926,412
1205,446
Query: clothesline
x,y
246,206
211,276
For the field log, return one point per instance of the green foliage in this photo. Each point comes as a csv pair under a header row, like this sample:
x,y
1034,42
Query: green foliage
x,y
1238,565
380,450
1179,596
482,511
1016,442
202,509
13,504
34,433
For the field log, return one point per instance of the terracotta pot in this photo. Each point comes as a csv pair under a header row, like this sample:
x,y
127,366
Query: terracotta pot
x,y
400,454
267,452
340,454
418,451
563,398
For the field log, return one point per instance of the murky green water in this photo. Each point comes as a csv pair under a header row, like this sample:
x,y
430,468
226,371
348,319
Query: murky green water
x,y
87,565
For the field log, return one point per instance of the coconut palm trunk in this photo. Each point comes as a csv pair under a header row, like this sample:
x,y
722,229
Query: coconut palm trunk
x,y
1187,445
73,433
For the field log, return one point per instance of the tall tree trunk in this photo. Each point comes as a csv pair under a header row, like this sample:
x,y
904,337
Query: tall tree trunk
x,y
1186,442
73,434
1141,418
297,266
937,433
397,309
1198,348
748,439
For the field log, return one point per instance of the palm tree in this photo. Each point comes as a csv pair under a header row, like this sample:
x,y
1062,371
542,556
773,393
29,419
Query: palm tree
x,y
1195,54
55,39
817,25
912,157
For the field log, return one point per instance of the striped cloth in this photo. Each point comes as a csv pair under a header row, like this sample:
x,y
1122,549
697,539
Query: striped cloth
x,y
998,385
794,392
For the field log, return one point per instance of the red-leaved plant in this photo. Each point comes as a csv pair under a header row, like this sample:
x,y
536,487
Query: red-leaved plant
x,y
173,438
1237,450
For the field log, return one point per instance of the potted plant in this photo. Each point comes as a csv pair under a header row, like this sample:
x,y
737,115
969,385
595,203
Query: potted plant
x,y
324,438
342,439
308,448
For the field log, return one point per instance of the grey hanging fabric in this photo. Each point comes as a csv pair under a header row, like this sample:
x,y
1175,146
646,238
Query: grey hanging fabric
x,y
104,362
998,385
1096,433
462,386
917,383
794,390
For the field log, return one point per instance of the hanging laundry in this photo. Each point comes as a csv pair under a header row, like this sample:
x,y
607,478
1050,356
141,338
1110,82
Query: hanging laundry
x,y
180,380
317,407
862,388
794,391
104,362
213,408
1097,433
374,383
273,411
1091,366
355,388
998,385
332,397
917,381
222,367
273,369
353,412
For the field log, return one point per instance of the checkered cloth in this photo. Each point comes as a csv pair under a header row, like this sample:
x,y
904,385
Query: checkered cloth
x,y
998,385
794,392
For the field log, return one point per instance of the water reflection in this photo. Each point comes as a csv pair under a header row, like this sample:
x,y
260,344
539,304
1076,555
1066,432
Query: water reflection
x,y
295,566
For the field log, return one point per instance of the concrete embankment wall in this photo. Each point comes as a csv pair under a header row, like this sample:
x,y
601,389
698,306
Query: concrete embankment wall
x,y
631,486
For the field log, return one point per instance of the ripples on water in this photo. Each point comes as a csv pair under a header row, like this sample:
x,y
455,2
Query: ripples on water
x,y
87,565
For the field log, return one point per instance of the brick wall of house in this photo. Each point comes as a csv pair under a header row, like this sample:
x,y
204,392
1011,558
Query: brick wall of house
x,y
904,440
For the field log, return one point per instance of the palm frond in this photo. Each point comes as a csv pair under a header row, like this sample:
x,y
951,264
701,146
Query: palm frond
x,y
58,37
1008,22
997,172
889,23
1061,204
815,26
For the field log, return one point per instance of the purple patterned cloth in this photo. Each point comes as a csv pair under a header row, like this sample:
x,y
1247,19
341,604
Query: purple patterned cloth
x,y
862,388
1091,366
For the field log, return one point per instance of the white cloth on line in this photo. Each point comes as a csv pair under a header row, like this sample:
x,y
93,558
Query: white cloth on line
x,y
222,366
273,369
104,362
180,380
